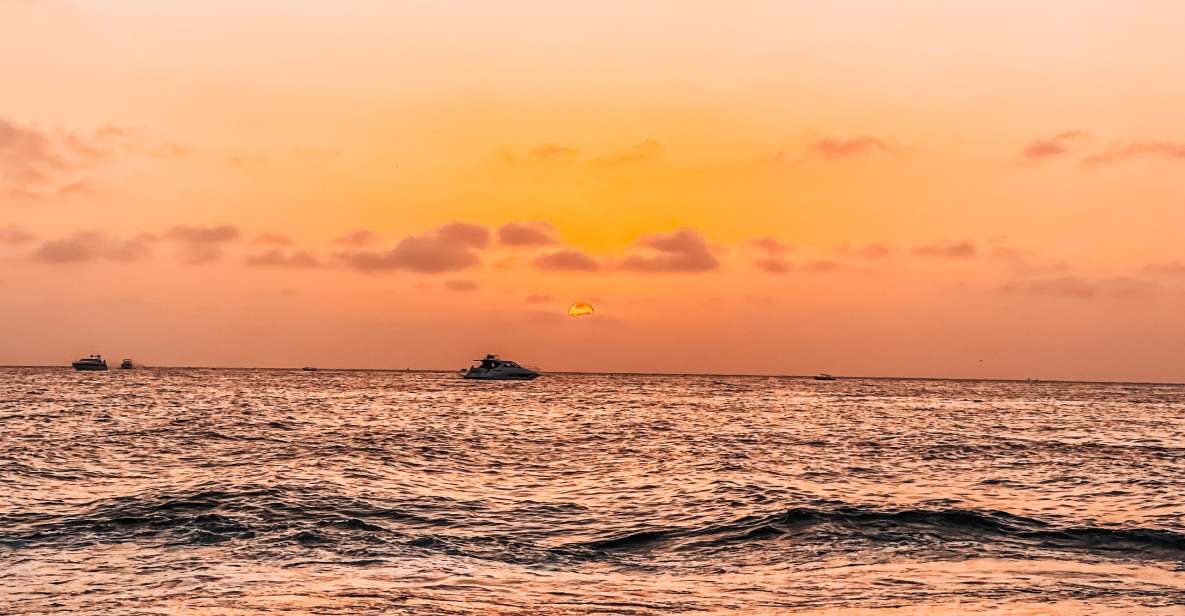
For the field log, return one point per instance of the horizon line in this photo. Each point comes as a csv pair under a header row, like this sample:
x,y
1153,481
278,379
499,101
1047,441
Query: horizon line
x,y
617,373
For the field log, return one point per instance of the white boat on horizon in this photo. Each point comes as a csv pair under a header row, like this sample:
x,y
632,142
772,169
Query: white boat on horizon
x,y
93,362
491,368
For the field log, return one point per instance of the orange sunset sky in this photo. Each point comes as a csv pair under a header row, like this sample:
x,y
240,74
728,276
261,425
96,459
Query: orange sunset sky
x,y
963,189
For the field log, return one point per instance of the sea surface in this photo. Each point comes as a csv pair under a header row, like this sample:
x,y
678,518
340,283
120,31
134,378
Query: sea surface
x,y
175,491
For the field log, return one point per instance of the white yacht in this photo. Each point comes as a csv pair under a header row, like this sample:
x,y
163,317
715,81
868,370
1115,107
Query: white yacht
x,y
494,369
94,362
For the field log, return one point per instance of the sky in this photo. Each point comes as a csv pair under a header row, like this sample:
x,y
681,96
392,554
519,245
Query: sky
x,y
970,189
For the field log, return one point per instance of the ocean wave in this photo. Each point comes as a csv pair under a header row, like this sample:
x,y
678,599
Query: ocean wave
x,y
296,517
961,528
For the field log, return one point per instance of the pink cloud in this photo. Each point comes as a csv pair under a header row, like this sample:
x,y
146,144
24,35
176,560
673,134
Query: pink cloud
x,y
275,239
773,265
954,250
771,246
536,233
450,248
566,260
35,163
837,148
682,250
14,236
553,151
461,286
465,234
361,237
279,258
202,244
1175,268
1056,145
1139,149
640,152
875,250
93,246
822,265
1075,287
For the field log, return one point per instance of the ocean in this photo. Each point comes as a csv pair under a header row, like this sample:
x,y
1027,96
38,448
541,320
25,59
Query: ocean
x,y
194,491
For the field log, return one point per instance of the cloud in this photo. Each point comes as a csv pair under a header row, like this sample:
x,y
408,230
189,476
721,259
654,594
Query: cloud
x,y
450,248
202,244
682,250
279,258
1056,145
36,163
822,265
275,239
15,236
640,152
553,152
94,245
1175,268
954,250
1138,149
875,250
461,286
566,260
771,246
772,262
536,298
1075,287
361,237
465,234
833,148
773,265
535,233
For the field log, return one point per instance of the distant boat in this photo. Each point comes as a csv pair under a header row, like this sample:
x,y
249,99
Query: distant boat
x,y
93,362
824,377
309,369
126,364
491,368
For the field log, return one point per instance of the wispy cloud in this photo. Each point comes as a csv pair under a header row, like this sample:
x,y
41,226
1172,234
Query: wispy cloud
x,y
874,250
553,152
640,152
93,246
1056,145
1138,149
274,239
13,235
773,250
36,163
298,259
201,244
953,250
836,148
460,286
1173,268
1076,287
360,237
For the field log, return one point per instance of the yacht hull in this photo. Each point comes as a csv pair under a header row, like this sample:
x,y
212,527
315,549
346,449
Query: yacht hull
x,y
89,367
480,376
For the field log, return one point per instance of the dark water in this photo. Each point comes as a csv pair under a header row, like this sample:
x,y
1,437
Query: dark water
x,y
241,492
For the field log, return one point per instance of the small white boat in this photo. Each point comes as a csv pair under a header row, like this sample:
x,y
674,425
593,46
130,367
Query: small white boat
x,y
94,362
126,364
824,377
494,369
